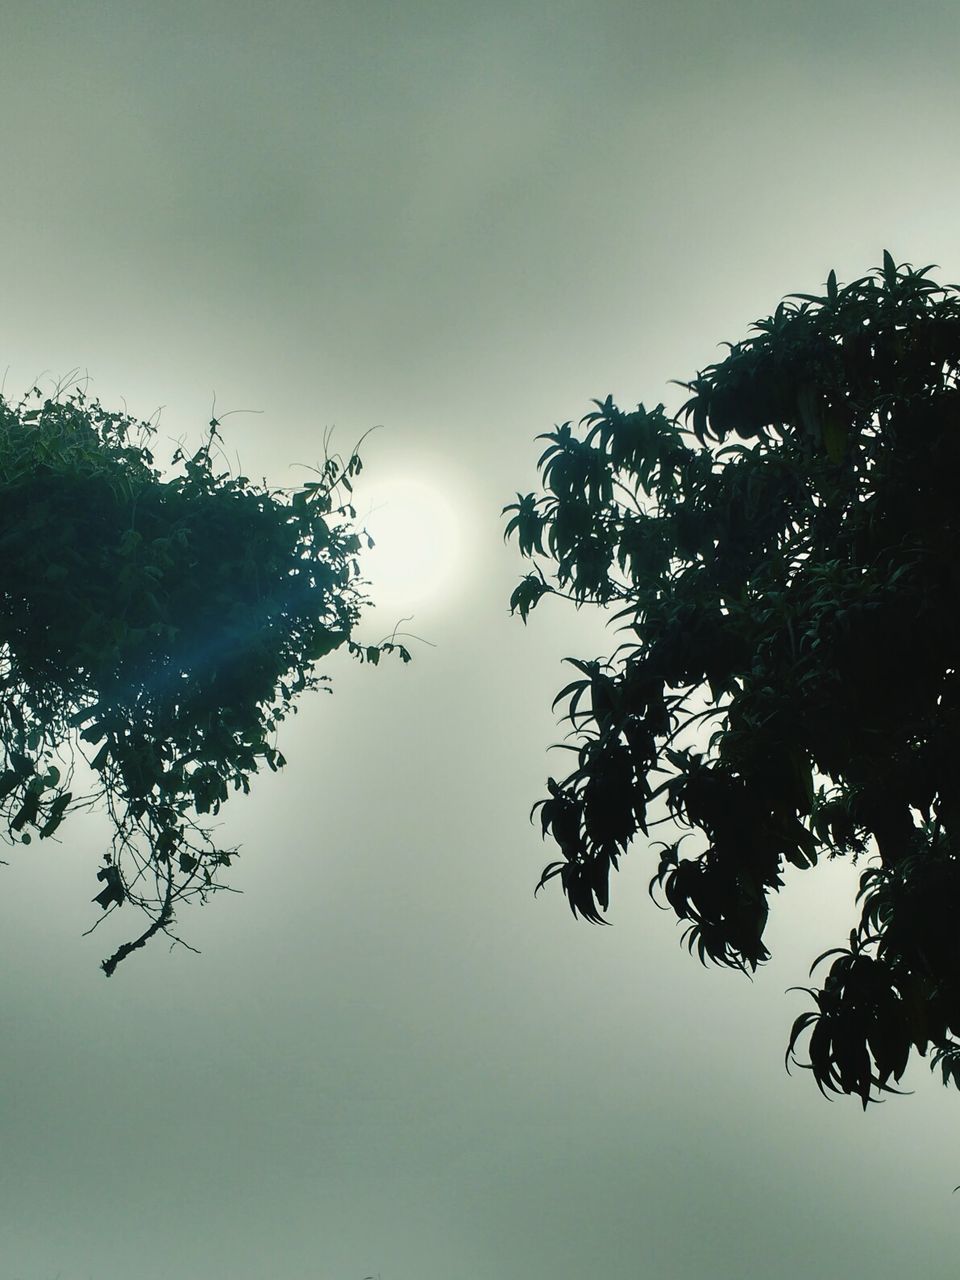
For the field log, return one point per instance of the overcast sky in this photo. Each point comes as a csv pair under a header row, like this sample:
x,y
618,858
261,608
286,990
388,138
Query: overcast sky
x,y
462,222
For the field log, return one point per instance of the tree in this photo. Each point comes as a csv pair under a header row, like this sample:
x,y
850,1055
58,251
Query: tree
x,y
782,556
160,627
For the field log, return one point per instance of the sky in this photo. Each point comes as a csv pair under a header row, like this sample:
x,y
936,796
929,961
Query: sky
x,y
458,223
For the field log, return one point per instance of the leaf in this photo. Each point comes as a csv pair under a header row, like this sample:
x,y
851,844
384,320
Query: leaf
x,y
56,814
528,594
834,436
27,812
324,643
114,891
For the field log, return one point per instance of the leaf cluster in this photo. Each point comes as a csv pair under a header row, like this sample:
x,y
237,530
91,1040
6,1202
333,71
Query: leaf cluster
x,y
782,556
161,626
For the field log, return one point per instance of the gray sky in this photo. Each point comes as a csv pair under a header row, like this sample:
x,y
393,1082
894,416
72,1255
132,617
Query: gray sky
x,y
462,222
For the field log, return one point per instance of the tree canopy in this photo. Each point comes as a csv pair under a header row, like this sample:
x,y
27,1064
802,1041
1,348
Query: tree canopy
x,y
781,558
160,627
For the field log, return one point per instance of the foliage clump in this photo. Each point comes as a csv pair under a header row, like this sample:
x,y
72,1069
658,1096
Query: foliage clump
x,y
163,627
784,558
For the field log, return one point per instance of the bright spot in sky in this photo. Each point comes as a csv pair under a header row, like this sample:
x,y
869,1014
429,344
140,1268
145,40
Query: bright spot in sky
x,y
417,542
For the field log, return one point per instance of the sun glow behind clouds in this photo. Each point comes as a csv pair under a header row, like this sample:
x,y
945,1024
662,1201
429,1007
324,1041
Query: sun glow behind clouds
x,y
417,538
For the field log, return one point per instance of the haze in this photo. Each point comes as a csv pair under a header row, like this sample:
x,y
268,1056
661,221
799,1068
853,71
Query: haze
x,y
461,222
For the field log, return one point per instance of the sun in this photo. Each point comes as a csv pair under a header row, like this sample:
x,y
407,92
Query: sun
x,y
417,542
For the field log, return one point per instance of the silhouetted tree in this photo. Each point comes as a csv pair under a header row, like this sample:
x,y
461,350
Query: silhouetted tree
x,y
782,557
161,626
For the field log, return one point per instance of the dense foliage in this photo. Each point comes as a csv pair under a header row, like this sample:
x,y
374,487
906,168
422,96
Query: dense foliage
x,y
161,626
782,556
